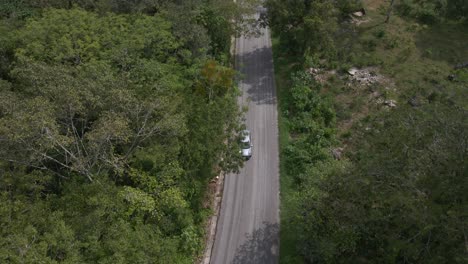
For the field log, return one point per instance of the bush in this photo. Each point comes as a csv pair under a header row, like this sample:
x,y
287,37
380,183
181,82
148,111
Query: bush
x,y
429,16
15,9
379,33
428,12
347,6
401,199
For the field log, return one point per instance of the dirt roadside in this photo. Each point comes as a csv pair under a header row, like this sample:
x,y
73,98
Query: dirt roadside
x,y
215,196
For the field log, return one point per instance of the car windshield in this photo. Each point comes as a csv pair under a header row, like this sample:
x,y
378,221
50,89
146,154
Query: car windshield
x,y
245,145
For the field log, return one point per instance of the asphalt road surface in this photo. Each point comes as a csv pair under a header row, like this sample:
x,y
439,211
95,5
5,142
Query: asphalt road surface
x,y
248,225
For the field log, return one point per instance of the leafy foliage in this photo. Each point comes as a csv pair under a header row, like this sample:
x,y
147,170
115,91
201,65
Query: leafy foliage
x,y
111,127
307,27
434,11
400,201
395,189
311,121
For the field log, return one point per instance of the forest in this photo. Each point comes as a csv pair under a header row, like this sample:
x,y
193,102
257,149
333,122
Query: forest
x,y
373,130
114,116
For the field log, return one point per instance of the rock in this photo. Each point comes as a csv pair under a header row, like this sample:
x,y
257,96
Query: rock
x,y
358,14
353,71
337,152
313,71
366,76
376,94
390,103
461,65
413,101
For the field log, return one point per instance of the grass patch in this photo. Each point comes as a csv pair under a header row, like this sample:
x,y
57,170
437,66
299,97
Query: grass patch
x,y
284,65
416,59
446,42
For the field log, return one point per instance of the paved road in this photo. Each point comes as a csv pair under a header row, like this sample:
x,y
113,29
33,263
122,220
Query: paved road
x,y
248,225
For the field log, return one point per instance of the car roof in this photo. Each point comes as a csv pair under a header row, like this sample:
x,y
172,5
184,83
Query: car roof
x,y
245,136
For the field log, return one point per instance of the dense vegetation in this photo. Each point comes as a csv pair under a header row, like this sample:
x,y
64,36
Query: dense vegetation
x,y
114,116
363,182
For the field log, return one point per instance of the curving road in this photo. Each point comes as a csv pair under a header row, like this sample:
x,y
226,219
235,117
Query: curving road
x,y
248,225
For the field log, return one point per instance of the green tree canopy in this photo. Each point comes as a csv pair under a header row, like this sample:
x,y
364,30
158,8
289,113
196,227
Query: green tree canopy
x,y
111,127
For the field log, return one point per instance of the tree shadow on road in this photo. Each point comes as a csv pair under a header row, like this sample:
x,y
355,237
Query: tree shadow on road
x,y
262,246
257,69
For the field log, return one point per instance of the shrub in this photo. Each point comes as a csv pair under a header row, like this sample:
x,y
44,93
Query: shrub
x,y
429,12
347,6
379,33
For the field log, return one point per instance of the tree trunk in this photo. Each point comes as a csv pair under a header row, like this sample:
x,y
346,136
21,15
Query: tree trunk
x,y
389,12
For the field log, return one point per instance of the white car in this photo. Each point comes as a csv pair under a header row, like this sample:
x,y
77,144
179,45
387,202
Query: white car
x,y
246,144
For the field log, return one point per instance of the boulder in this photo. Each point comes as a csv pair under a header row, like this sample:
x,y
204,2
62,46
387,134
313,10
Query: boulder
x,y
461,65
414,102
337,153
313,71
390,103
352,71
360,13
376,94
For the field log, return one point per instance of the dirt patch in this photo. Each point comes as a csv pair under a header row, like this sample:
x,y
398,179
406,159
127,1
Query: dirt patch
x,y
369,76
210,193
212,201
365,90
373,4
321,75
358,20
